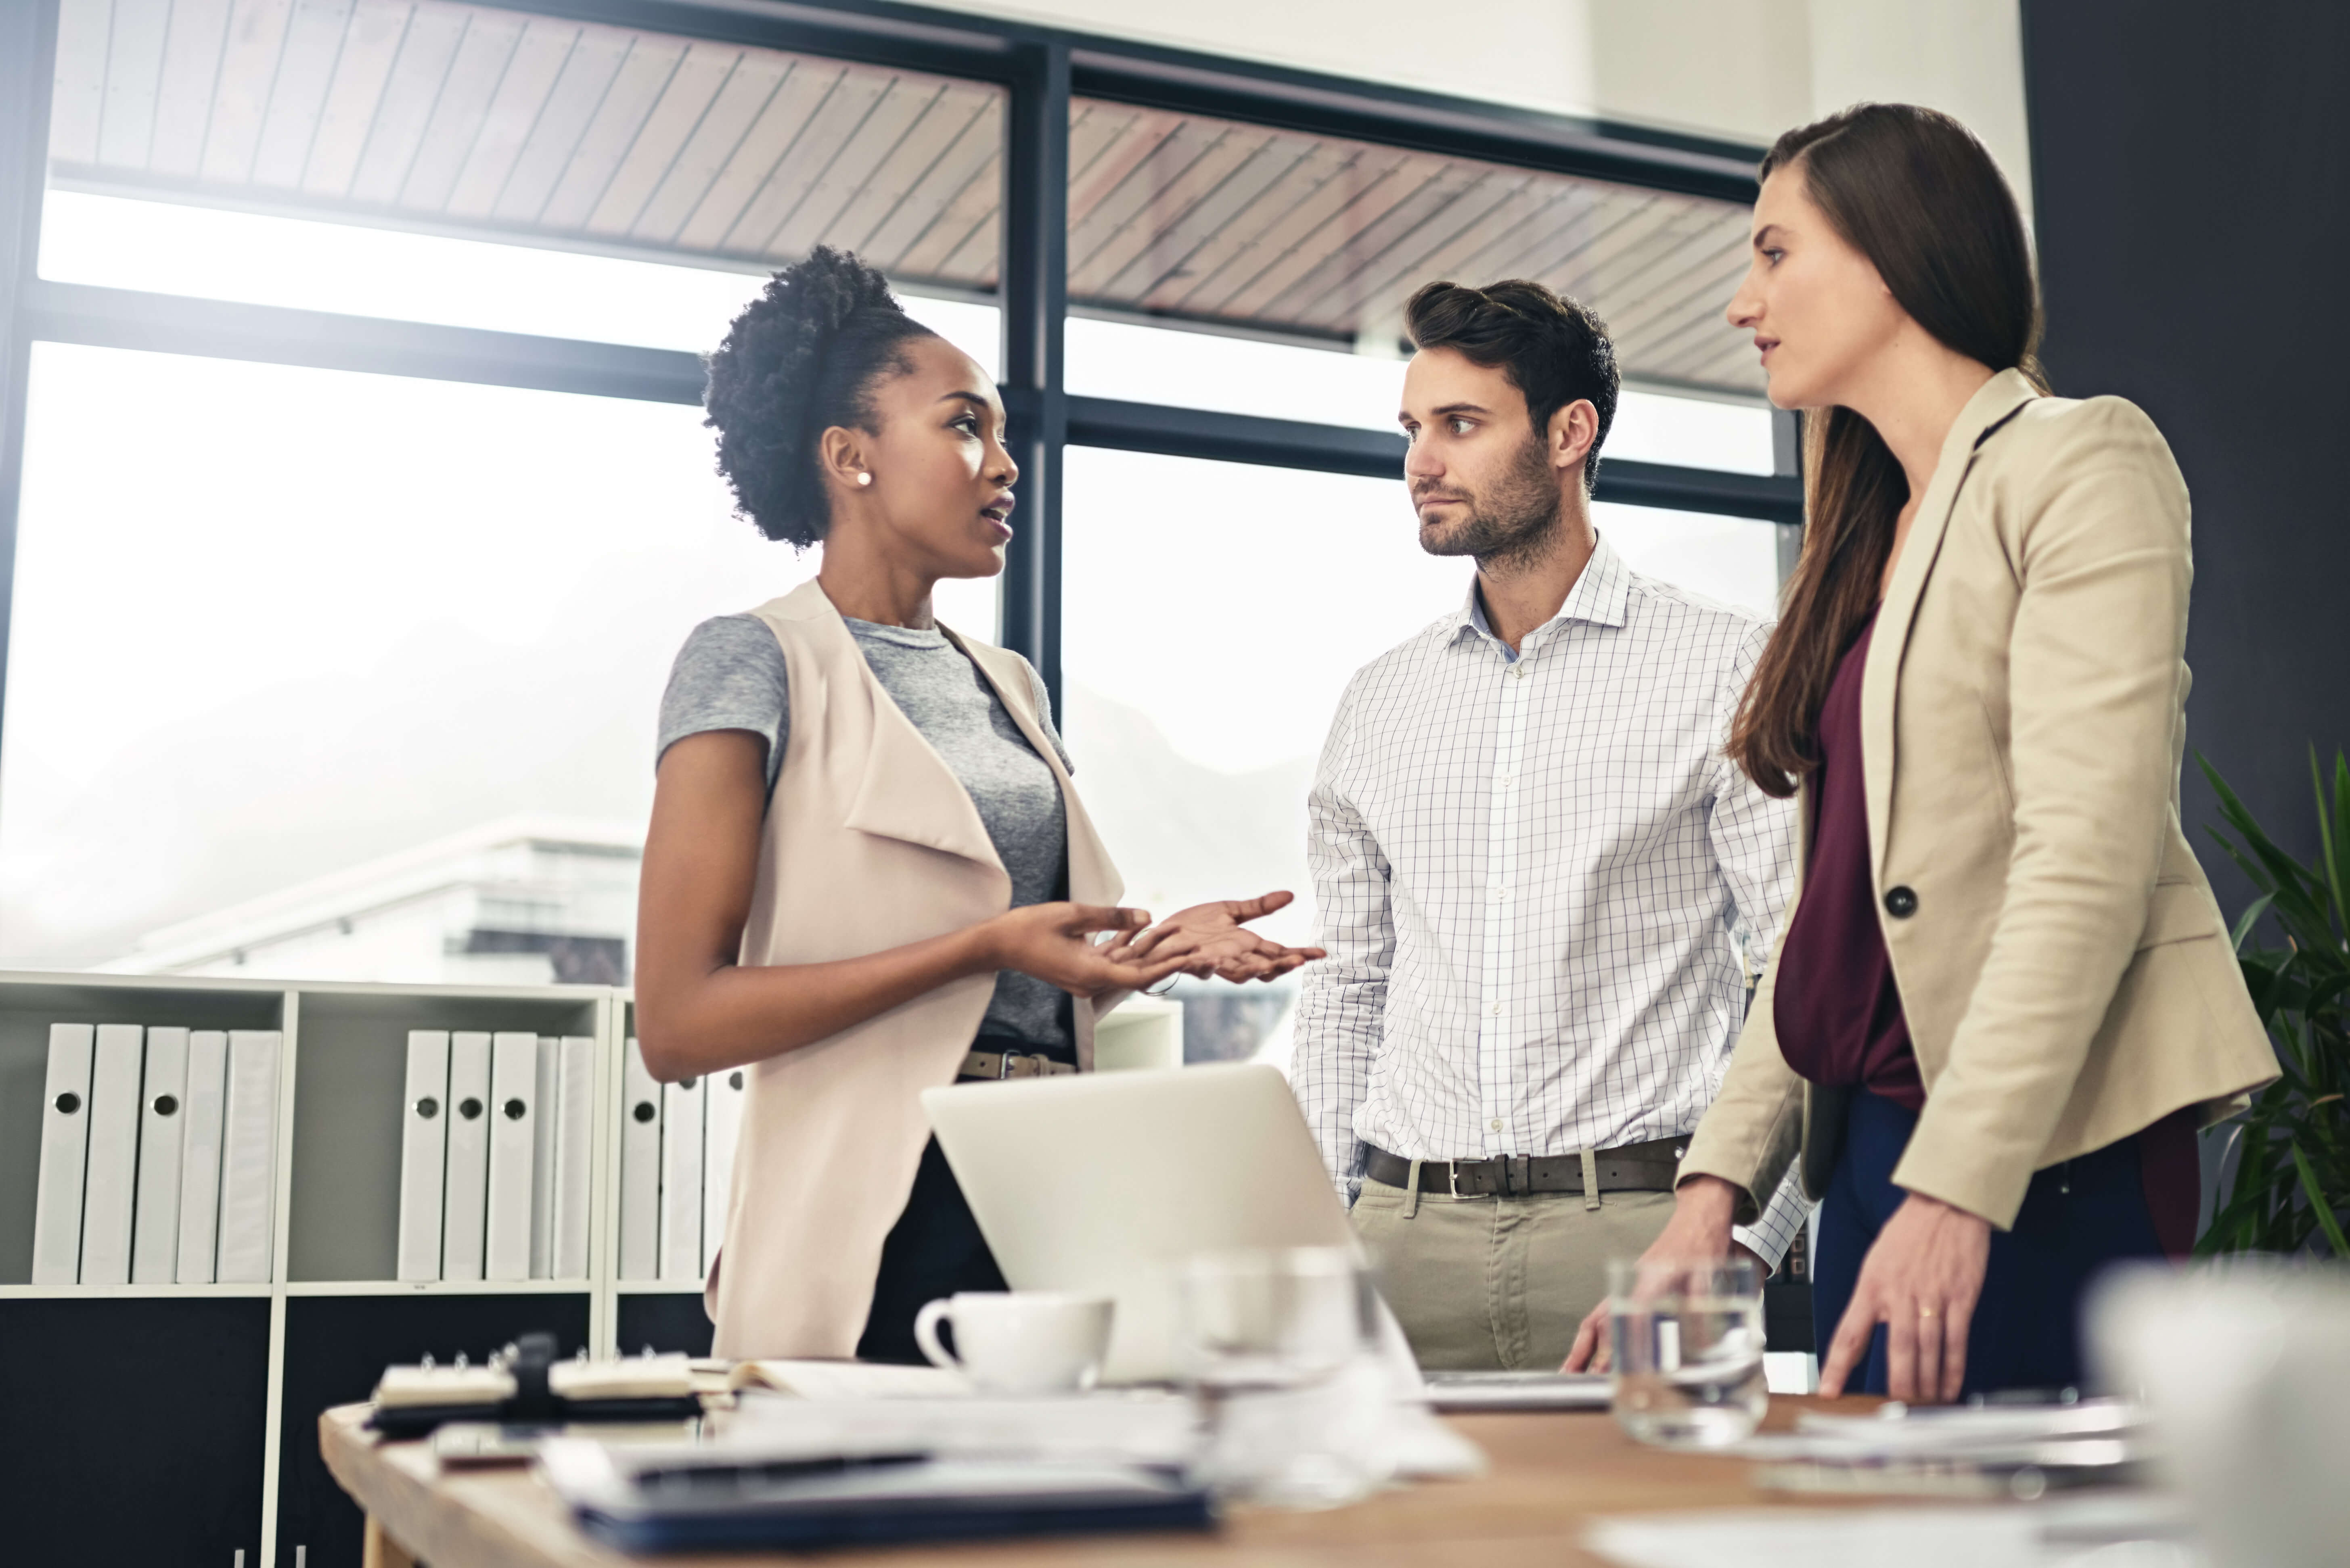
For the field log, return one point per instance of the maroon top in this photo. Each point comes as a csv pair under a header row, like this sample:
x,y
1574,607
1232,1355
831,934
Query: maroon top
x,y
1837,1008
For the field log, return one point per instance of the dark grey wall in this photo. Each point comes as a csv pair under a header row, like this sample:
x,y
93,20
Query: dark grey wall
x,y
2191,174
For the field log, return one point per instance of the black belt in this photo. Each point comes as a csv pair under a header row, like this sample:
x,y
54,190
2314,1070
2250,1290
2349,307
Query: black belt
x,y
1651,1167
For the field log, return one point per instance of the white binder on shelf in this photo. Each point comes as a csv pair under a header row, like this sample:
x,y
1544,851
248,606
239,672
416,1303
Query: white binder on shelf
x,y
681,1207
574,1113
423,1153
722,1115
110,1188
544,1124
465,1199
200,1156
248,1194
64,1154
641,1161
513,1120
163,1111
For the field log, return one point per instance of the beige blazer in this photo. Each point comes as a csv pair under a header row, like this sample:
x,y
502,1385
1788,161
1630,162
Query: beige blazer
x,y
870,842
2066,971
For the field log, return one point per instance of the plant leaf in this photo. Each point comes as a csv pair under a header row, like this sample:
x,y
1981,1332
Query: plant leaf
x,y
2329,849
2317,1203
2244,923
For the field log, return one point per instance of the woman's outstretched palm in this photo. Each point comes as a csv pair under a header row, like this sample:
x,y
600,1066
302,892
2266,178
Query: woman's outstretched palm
x,y
1216,935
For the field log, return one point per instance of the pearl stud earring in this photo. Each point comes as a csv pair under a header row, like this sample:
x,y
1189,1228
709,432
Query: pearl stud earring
x,y
863,479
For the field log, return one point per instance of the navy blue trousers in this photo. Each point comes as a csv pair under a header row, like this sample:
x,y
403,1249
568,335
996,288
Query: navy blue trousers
x,y
2077,1218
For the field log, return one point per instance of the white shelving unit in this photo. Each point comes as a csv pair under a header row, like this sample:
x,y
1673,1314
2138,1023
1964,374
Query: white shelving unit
x,y
342,1079
339,1140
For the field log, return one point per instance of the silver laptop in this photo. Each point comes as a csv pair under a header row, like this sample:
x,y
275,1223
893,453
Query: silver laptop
x,y
1105,1183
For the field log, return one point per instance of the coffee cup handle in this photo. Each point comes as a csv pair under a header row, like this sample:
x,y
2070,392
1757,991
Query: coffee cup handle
x,y
926,1332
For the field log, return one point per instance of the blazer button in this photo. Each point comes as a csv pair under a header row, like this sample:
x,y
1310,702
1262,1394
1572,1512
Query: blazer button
x,y
1900,902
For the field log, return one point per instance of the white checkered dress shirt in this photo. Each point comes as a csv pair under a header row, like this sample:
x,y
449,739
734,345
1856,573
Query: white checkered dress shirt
x,y
1536,874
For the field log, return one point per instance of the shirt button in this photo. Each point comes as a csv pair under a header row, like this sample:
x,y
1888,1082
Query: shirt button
x,y
1497,1010
1495,894
1497,1124
1900,902
1517,672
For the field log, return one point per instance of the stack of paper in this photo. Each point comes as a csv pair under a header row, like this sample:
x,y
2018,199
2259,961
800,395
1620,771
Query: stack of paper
x,y
158,1156
497,1130
1965,1451
2123,1529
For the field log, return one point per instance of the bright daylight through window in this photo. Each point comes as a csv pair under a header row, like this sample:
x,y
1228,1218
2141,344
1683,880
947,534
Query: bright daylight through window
x,y
397,642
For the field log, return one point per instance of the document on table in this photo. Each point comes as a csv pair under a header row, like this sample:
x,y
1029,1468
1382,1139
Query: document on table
x,y
2040,1535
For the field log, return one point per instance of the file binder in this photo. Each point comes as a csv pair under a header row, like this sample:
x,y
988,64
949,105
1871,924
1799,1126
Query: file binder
x,y
640,1158
110,1185
721,1116
575,1138
65,1153
200,1156
162,1105
466,1197
544,1124
423,1153
514,1118
248,1194
681,1224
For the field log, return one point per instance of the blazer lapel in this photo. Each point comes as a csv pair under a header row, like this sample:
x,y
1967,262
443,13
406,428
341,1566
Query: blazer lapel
x,y
1998,398
908,792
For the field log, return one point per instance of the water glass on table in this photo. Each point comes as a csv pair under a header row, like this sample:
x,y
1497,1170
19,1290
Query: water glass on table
x,y
1278,1345
1686,1344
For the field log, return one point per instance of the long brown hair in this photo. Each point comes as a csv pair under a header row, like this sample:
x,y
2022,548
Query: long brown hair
x,y
1915,193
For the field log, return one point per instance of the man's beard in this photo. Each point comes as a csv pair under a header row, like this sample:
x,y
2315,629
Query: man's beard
x,y
1509,527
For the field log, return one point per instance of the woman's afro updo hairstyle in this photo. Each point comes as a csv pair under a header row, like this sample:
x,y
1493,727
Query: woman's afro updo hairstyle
x,y
802,357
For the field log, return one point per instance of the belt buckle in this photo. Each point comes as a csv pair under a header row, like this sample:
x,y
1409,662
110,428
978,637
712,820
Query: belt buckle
x,y
1453,1175
1004,1064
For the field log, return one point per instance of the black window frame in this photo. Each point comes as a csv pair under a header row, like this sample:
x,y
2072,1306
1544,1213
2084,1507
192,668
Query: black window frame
x,y
1041,68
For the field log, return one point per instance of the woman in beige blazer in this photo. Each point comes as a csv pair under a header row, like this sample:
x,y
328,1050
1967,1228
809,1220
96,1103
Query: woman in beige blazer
x,y
868,873
2006,998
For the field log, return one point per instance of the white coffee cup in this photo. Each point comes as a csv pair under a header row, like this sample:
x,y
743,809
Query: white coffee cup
x,y
1020,1342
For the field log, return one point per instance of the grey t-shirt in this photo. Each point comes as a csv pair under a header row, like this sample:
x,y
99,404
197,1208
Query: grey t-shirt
x,y
731,675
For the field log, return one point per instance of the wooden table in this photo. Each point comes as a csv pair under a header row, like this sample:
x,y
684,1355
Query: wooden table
x,y
1549,1475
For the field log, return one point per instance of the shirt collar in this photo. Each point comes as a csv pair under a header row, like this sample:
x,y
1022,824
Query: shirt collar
x,y
1601,596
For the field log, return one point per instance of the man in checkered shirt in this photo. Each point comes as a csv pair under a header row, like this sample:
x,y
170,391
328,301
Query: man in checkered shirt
x,y
1542,885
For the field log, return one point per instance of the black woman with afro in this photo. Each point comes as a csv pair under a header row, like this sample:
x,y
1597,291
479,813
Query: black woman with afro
x,y
867,871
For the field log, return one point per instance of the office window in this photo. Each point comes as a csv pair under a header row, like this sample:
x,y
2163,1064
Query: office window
x,y
344,676
1223,266
667,174
1212,614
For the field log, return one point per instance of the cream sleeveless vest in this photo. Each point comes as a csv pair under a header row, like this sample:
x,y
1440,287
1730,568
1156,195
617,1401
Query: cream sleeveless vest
x,y
870,843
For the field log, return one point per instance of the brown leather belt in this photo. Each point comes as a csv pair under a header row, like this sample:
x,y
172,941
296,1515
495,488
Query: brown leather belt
x,y
1648,1166
1011,1064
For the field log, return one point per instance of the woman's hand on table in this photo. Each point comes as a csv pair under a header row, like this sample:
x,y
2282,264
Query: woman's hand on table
x,y
1920,1280
1215,939
1055,943
1699,1231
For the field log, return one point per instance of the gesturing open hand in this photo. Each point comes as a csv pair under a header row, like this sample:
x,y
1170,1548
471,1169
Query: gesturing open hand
x,y
1055,942
1214,935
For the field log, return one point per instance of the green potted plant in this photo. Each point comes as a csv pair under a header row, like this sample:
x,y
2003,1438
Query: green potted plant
x,y
2291,1178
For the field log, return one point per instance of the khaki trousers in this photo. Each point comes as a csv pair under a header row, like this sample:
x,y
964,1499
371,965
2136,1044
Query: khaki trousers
x,y
1499,1283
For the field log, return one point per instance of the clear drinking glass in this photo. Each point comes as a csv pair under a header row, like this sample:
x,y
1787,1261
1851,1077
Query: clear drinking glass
x,y
1687,1346
1277,1345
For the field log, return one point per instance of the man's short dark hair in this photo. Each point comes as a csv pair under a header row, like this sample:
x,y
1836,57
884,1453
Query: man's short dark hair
x,y
1553,349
